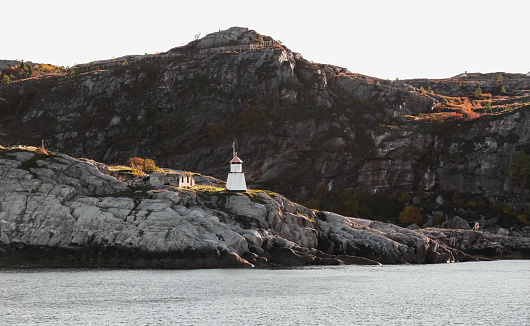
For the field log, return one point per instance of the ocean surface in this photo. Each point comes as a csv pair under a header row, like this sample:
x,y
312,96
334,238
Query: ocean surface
x,y
472,293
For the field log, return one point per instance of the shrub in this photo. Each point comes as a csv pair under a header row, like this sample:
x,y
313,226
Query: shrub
x,y
438,219
467,108
503,89
488,106
136,165
140,166
410,214
458,200
471,204
525,216
41,151
524,219
405,197
149,166
502,208
478,92
480,201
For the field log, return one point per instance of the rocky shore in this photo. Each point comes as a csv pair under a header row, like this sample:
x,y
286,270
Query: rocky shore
x,y
56,210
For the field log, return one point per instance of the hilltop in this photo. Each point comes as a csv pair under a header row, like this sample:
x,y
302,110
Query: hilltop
x,y
319,134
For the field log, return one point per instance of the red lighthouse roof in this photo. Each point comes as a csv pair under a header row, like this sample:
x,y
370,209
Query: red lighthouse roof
x,y
236,159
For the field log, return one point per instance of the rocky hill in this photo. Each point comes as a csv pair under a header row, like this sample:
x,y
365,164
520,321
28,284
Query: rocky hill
x,y
316,133
56,210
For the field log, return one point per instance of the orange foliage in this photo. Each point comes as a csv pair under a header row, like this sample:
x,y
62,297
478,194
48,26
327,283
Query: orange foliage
x,y
45,68
141,166
469,110
13,70
455,115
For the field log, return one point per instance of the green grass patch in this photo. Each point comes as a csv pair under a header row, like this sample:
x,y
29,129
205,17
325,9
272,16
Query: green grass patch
x,y
119,168
254,197
122,170
208,190
260,191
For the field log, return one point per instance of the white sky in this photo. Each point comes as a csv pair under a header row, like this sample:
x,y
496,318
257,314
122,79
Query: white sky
x,y
384,38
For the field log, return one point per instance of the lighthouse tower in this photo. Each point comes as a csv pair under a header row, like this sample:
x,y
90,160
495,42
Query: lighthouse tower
x,y
236,177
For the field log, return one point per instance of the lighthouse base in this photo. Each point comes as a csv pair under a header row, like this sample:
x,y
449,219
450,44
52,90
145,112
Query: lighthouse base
x,y
236,181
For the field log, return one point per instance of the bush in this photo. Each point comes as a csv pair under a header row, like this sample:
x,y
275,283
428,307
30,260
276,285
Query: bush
x,y
488,107
405,197
468,108
410,214
438,219
478,92
136,165
458,200
524,218
140,166
149,166
41,151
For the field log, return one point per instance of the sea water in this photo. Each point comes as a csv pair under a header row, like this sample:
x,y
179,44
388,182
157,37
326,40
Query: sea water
x,y
473,293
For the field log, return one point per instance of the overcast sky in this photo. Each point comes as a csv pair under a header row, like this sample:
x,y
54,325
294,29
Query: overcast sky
x,y
385,39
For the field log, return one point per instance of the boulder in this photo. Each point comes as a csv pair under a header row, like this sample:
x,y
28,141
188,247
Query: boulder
x,y
503,231
456,222
243,206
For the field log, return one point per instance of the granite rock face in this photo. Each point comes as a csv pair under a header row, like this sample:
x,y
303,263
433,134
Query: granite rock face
x,y
59,211
299,125
482,244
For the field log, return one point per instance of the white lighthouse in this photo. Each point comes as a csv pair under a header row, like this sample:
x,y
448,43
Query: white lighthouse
x,y
236,177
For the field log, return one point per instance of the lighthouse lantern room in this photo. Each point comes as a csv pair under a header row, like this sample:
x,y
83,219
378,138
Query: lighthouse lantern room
x,y
236,177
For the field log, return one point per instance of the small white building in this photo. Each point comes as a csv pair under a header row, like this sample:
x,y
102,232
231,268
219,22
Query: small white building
x,y
236,177
157,179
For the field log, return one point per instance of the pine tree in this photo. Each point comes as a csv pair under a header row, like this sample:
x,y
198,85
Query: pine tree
x,y
478,92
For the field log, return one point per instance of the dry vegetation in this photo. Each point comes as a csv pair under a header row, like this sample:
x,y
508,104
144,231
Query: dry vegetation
x,y
27,70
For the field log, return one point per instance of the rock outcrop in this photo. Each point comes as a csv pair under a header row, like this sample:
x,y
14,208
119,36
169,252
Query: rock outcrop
x,y
59,211
303,125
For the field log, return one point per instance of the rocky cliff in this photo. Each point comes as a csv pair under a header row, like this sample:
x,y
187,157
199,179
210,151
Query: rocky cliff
x,y
303,129
56,210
